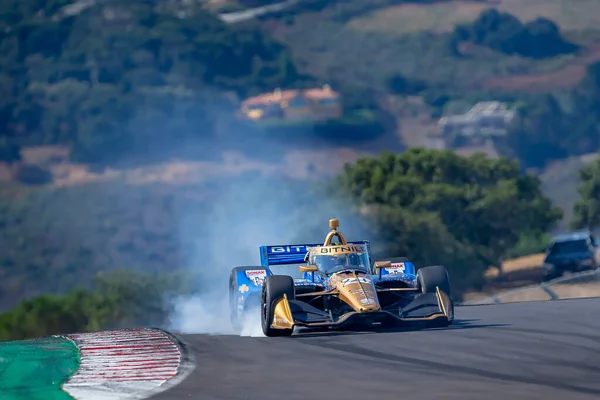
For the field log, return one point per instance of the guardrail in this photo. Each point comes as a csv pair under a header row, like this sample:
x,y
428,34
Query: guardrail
x,y
578,285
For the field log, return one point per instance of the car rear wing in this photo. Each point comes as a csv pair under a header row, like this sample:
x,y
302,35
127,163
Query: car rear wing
x,y
289,254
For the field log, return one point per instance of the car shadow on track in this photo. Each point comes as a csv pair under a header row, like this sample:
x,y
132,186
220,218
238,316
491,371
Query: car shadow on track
x,y
456,324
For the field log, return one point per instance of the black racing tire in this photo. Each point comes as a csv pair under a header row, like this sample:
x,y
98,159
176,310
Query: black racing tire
x,y
274,288
427,280
233,295
430,277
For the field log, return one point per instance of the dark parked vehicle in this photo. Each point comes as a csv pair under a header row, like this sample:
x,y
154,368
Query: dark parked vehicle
x,y
571,252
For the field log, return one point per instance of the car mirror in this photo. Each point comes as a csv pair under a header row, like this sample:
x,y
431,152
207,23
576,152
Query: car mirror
x,y
383,264
308,268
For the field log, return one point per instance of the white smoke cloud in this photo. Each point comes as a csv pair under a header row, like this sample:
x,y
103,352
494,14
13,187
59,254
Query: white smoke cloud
x,y
250,324
201,313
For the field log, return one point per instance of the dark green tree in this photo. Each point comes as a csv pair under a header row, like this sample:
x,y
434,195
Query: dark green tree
x,y
121,299
467,208
538,135
586,211
504,32
120,80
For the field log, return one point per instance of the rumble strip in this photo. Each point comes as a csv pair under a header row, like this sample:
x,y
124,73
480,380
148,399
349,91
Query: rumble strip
x,y
125,364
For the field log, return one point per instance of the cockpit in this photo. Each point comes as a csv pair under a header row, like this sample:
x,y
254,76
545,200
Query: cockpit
x,y
335,257
330,264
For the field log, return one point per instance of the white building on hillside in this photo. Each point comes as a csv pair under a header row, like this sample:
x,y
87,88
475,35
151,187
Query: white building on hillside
x,y
481,123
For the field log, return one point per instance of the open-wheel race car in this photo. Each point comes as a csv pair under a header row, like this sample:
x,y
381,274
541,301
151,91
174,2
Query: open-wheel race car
x,y
340,288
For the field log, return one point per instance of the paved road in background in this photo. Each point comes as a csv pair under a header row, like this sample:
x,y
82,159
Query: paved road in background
x,y
251,13
231,18
542,350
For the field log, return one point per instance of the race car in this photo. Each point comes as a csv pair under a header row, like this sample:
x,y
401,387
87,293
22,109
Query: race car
x,y
340,288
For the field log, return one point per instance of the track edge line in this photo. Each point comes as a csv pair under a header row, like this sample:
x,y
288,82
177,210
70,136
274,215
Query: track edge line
x,y
186,366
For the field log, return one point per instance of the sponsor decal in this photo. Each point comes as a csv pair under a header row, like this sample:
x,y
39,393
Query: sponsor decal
x,y
396,268
256,276
367,301
341,249
287,249
244,288
349,281
298,249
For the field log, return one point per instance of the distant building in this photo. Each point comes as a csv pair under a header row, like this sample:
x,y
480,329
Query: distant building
x,y
318,104
484,122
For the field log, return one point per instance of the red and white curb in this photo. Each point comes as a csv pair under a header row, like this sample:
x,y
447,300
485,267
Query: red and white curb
x,y
125,364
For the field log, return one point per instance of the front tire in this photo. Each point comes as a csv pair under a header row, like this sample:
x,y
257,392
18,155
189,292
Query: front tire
x,y
427,280
430,277
274,288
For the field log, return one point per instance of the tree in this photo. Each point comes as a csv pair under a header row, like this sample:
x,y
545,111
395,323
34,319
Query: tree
x,y
121,299
119,80
467,208
586,211
9,151
401,85
504,32
545,130
584,135
538,136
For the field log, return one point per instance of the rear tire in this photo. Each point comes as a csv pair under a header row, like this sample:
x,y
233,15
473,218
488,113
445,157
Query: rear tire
x,y
274,288
233,296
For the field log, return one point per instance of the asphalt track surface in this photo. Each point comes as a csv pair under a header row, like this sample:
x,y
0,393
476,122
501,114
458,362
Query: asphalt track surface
x,y
541,350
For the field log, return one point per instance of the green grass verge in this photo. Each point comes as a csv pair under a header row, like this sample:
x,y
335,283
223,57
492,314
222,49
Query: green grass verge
x,y
36,369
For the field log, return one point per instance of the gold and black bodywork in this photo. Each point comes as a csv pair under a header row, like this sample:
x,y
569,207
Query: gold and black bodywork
x,y
350,296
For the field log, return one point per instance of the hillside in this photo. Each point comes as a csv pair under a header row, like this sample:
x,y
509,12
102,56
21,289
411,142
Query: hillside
x,y
115,110
418,31
560,180
426,46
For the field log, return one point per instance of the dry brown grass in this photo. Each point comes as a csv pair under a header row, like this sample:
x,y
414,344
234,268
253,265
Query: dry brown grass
x,y
525,265
406,18
44,154
574,17
443,16
532,261
298,164
566,77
